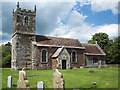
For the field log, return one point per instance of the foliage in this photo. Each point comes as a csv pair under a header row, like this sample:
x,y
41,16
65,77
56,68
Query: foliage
x,y
74,78
113,50
101,38
5,51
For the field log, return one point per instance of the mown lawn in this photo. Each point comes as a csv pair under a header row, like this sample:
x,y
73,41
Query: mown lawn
x,y
74,78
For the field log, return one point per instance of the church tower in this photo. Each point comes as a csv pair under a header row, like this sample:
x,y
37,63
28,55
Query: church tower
x,y
23,34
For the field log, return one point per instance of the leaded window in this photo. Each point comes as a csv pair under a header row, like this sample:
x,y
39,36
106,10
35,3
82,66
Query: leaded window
x,y
44,56
74,57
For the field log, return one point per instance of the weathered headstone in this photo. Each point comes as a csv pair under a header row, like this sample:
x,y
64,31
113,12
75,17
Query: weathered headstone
x,y
22,81
40,85
58,82
9,81
99,64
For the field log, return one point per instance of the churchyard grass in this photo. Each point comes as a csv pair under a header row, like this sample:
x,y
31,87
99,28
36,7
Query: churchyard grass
x,y
74,78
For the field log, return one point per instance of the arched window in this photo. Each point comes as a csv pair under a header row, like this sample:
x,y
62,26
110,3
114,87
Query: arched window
x,y
44,58
26,20
74,56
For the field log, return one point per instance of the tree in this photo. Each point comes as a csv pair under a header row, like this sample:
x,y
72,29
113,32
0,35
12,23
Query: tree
x,y
101,38
113,51
108,50
5,51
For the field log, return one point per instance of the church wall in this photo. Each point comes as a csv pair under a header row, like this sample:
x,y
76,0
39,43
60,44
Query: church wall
x,y
14,54
51,51
54,63
91,58
80,58
47,65
21,46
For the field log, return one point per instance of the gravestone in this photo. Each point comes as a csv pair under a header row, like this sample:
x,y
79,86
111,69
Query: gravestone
x,y
94,84
22,81
99,64
9,81
40,85
58,82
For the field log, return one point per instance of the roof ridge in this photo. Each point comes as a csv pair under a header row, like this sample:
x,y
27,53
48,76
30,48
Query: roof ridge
x,y
87,44
58,37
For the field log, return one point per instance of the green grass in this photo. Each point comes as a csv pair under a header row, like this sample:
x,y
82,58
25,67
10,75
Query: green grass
x,y
74,78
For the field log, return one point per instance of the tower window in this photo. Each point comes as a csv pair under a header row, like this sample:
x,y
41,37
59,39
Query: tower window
x,y
18,18
74,56
26,20
44,57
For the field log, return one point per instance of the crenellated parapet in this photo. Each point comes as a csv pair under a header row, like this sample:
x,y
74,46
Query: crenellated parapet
x,y
19,10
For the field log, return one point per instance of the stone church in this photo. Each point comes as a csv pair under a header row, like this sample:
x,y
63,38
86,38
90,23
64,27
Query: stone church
x,y
44,52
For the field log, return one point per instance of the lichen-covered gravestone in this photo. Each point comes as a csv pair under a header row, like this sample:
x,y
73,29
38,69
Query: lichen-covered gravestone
x,y
58,81
22,81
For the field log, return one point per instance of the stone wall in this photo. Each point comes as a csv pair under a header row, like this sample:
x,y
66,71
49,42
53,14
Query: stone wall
x,y
80,58
51,51
22,51
47,65
24,21
89,60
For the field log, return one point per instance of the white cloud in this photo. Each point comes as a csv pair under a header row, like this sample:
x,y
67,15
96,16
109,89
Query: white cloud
x,y
111,30
3,34
75,19
78,28
38,0
103,5
50,12
4,42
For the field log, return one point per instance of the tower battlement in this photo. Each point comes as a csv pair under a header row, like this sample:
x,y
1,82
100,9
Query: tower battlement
x,y
24,20
20,10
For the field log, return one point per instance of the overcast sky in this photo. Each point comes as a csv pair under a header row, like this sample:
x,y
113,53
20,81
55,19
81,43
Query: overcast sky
x,y
76,19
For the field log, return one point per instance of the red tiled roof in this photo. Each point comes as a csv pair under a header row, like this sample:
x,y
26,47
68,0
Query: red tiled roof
x,y
93,49
47,40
